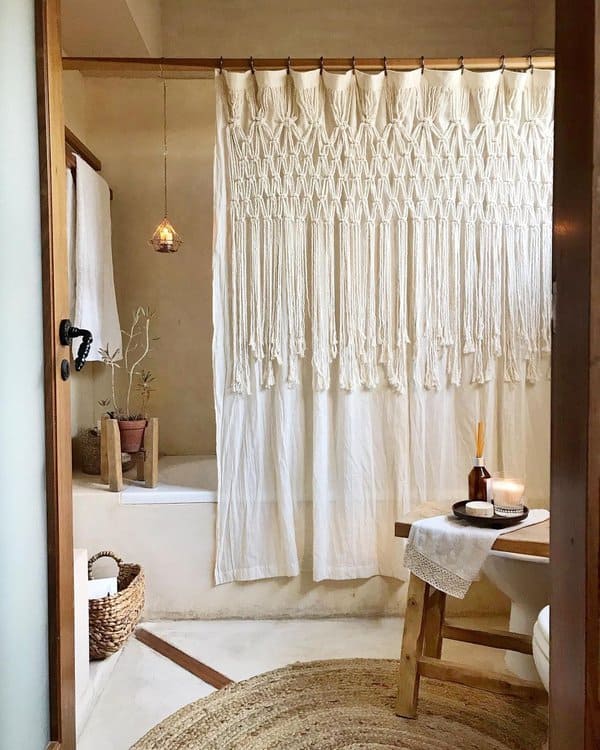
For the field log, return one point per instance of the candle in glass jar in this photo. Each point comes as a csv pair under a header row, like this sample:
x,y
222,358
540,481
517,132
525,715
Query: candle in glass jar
x,y
508,492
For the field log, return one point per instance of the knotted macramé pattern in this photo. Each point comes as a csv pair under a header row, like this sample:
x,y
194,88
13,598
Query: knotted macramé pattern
x,y
379,224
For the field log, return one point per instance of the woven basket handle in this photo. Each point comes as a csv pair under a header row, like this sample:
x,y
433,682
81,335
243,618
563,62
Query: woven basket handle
x,y
98,555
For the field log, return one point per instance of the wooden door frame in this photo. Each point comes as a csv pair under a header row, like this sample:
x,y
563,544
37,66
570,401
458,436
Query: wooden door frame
x,y
57,393
575,460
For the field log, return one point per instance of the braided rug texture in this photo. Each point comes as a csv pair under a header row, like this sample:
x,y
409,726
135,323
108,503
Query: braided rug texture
x,y
347,703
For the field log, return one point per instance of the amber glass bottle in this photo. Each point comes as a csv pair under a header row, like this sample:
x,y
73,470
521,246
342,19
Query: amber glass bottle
x,y
477,484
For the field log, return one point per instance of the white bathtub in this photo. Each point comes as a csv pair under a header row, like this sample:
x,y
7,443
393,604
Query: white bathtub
x,y
170,531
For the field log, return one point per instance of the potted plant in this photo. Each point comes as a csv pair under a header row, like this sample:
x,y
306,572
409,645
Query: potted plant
x,y
132,423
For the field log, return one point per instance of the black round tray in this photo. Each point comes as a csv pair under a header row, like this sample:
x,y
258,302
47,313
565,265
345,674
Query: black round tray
x,y
493,522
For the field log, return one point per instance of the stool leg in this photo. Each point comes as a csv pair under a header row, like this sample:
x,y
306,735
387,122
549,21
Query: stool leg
x,y
151,453
434,622
412,648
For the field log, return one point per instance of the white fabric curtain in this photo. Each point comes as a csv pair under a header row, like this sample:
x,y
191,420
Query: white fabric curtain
x,y
382,280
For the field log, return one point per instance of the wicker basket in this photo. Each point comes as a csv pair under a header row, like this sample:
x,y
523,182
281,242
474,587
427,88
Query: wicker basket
x,y
113,618
88,449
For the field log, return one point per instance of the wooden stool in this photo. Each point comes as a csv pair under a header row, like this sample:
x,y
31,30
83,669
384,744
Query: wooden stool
x,y
425,627
111,468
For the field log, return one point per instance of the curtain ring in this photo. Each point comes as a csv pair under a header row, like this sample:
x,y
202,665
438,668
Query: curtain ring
x,y
353,65
530,68
321,65
385,70
502,64
251,62
462,64
221,65
289,64
422,64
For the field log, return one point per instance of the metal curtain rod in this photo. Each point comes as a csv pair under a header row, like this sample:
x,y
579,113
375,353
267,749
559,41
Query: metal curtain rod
x,y
188,65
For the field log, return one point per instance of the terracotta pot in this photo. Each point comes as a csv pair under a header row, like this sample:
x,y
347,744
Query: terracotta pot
x,y
132,434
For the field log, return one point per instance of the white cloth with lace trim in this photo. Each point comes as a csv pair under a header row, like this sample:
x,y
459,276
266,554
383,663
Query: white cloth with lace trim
x,y
449,553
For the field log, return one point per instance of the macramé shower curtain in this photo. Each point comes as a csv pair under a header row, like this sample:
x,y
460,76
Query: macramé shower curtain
x,y
382,280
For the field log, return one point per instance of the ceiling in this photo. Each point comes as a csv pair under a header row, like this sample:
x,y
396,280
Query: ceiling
x,y
112,28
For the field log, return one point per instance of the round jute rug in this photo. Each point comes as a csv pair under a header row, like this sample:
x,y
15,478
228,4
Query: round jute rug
x,y
349,703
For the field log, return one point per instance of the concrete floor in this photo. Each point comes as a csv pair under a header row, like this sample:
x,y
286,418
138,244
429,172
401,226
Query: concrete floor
x,y
144,687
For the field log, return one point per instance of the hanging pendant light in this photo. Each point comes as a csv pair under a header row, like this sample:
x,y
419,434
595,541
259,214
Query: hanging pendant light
x,y
165,239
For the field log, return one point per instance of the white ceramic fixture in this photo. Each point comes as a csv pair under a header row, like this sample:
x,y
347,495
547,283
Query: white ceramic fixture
x,y
541,646
525,579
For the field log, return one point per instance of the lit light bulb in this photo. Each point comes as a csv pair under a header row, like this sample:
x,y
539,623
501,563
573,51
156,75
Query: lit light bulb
x,y
166,235
165,239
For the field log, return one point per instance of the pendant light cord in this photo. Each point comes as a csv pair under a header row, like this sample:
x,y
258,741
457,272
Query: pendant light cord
x,y
164,81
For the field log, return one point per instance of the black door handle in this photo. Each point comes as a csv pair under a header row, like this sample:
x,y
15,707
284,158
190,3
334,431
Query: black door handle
x,y
67,332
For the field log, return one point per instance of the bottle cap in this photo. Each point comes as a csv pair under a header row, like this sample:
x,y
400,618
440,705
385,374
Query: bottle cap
x,y
478,461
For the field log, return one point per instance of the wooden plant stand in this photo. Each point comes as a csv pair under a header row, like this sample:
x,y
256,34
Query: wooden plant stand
x,y
111,468
425,627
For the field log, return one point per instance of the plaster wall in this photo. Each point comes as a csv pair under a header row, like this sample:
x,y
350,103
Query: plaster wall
x,y
267,28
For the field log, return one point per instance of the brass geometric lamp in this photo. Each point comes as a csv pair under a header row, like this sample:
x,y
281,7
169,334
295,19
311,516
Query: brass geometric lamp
x,y
165,239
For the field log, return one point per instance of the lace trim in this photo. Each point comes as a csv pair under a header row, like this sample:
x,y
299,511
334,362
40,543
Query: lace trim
x,y
434,574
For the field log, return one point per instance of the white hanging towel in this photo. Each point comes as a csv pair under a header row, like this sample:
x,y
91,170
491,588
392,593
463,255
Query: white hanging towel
x,y
449,554
71,240
95,305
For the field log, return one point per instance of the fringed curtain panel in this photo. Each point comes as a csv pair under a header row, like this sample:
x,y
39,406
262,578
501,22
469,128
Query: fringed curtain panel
x,y
382,279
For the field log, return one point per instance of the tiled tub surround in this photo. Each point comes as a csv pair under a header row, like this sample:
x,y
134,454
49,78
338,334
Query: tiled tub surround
x,y
170,531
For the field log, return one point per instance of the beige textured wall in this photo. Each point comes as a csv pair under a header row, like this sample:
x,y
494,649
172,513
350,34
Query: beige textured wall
x,y
75,102
347,27
543,24
125,130
123,121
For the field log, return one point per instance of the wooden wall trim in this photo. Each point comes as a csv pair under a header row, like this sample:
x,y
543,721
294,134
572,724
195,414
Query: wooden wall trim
x,y
57,395
79,147
575,477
